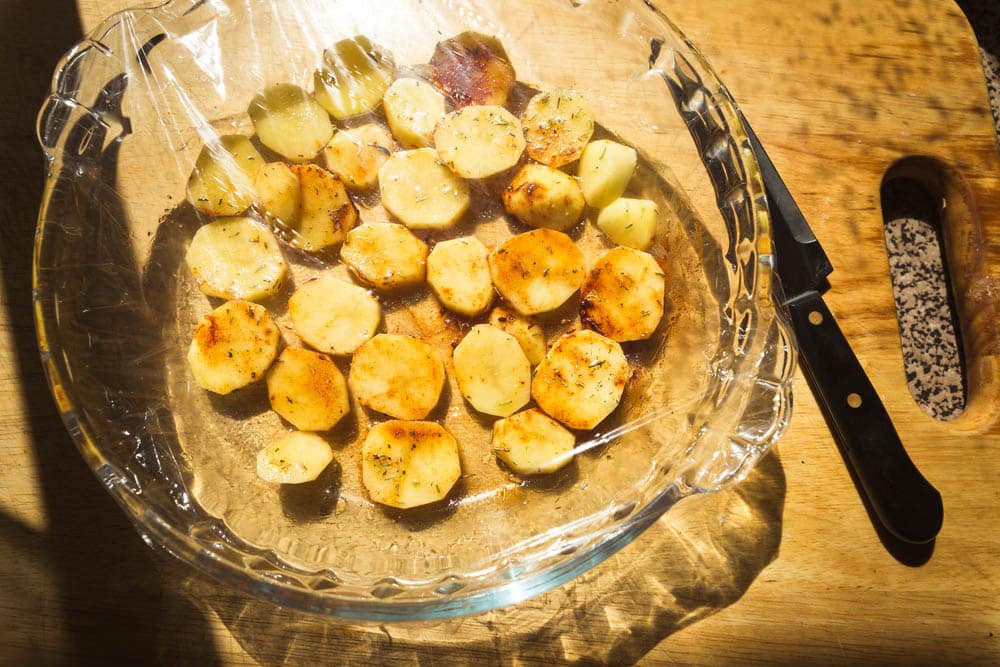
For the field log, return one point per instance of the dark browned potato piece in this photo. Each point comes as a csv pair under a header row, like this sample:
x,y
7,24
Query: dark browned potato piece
x,y
472,68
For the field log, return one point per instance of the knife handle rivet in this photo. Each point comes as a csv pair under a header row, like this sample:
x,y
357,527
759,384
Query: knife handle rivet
x,y
854,400
816,318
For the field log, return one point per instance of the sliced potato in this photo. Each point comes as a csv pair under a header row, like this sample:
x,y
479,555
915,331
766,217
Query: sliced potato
x,y
557,127
334,316
295,458
233,346
409,463
307,389
326,212
458,273
532,443
353,78
422,192
385,255
473,68
221,182
605,169
236,258
544,197
629,222
537,271
492,371
355,155
622,297
479,141
413,109
581,380
290,122
527,332
277,192
397,375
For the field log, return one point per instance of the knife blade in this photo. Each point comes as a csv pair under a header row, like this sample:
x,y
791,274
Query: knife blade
x,y
906,504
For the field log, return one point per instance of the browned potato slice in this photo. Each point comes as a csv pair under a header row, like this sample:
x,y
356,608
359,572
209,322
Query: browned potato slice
x,y
233,346
422,192
334,316
479,141
277,192
581,380
537,271
492,371
355,155
458,273
295,458
236,258
290,122
353,78
385,255
221,182
527,332
532,443
326,212
622,297
409,463
307,389
397,375
544,197
472,68
557,127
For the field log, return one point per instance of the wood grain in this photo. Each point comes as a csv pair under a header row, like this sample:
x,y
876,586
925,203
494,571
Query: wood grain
x,y
838,92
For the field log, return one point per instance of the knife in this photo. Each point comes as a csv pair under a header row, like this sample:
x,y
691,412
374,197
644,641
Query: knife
x,y
903,500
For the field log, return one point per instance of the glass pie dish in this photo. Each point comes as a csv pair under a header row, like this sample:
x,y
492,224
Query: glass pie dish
x,y
130,109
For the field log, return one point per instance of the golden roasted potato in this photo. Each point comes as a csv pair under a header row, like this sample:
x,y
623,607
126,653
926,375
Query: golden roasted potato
x,y
397,375
479,141
307,389
581,380
622,297
557,127
290,122
629,222
422,192
492,371
221,182
295,458
409,463
472,68
413,109
458,273
354,77
236,258
355,155
532,443
385,255
334,316
541,196
233,346
326,212
537,271
605,169
527,332
277,192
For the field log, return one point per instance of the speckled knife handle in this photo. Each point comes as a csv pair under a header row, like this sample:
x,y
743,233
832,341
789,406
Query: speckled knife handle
x,y
906,503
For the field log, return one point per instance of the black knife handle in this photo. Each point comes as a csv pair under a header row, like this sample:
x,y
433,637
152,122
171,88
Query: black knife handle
x,y
906,503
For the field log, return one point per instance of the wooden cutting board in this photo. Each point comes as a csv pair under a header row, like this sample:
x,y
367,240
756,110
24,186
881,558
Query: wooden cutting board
x,y
839,92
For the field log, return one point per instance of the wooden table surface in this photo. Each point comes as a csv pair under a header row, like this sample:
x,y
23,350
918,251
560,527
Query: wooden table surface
x,y
838,92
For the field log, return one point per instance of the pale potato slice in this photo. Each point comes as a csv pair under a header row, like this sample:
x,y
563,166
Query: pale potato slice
x,y
492,371
413,108
544,197
422,192
527,332
557,127
479,141
581,380
532,443
385,255
307,389
236,258
397,375
355,155
290,122
537,271
622,297
295,458
629,222
277,192
605,169
354,77
473,68
458,273
409,463
221,182
326,212
334,316
233,346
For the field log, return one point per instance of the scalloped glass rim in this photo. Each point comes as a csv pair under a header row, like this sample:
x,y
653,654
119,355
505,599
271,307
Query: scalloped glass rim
x,y
754,391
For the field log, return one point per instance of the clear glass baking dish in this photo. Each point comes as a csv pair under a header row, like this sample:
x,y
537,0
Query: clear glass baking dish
x,y
130,108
